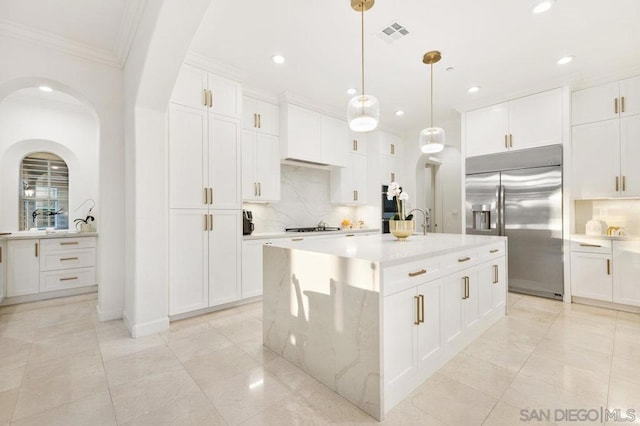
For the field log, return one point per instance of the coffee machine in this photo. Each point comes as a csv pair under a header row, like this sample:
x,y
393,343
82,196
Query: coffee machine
x,y
247,222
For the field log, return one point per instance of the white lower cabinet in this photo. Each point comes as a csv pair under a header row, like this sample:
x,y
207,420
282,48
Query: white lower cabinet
x,y
23,267
626,270
252,268
591,276
204,258
3,257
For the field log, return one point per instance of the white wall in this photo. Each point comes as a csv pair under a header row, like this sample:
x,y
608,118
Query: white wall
x,y
70,131
100,88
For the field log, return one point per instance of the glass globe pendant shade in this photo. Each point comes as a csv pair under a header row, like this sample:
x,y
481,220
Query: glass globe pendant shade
x,y
363,113
432,140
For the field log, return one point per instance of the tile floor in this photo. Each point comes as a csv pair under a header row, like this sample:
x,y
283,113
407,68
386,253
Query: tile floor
x,y
60,366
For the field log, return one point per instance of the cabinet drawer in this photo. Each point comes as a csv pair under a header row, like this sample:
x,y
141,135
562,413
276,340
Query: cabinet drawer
x,y
494,250
71,278
66,259
400,277
67,243
461,260
591,245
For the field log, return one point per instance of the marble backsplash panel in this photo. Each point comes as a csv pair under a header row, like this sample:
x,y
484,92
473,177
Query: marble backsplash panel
x,y
622,213
304,202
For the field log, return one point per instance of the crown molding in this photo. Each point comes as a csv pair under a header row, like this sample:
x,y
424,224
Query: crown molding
x,y
208,64
61,44
131,16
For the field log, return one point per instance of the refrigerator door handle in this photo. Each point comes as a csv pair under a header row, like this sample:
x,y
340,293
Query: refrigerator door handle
x,y
501,211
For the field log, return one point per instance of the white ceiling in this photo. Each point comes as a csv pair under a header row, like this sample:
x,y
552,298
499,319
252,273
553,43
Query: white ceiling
x,y
497,44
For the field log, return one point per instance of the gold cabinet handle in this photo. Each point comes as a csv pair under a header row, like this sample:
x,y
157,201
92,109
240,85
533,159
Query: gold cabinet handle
x,y
464,259
0,254
393,149
494,251
206,196
210,195
348,235
506,141
464,288
467,286
210,99
615,105
259,121
608,266
417,299
297,239
69,243
393,177
617,183
260,189
590,245
421,296
510,140
36,249
624,182
205,97
355,145
255,120
210,222
206,223
495,274
420,272
622,103
68,279
62,259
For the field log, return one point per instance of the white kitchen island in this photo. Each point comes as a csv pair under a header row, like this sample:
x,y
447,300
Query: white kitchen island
x,y
372,317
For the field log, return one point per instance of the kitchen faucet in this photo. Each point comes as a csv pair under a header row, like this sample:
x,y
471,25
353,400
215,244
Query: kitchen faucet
x,y
426,218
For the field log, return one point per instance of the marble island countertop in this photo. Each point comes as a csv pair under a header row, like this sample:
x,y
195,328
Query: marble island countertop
x,y
28,235
284,234
385,249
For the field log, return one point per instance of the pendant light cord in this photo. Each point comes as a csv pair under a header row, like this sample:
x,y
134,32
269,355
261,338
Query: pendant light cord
x,y
362,45
431,132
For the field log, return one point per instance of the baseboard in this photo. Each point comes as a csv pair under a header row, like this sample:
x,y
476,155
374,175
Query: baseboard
x,y
607,305
37,297
108,315
146,329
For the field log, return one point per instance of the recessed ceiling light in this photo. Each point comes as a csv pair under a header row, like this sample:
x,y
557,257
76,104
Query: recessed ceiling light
x,y
565,60
351,91
45,88
473,89
399,112
541,6
277,59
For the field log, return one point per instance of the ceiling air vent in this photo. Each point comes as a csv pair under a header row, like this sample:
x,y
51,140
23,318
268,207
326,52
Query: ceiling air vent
x,y
393,32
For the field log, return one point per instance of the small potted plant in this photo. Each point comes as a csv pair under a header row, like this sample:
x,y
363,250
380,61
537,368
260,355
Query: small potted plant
x,y
400,226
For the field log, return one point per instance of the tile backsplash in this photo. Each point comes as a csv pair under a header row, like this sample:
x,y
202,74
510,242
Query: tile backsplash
x,y
304,202
622,213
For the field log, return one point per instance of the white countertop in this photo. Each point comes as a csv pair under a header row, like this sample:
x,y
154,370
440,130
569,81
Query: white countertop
x,y
284,234
385,249
39,235
607,237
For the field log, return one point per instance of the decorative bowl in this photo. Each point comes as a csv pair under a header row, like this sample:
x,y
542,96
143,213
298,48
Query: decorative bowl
x,y
401,229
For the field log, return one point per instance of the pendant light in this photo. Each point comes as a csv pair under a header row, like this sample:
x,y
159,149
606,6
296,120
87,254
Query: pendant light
x,y
363,111
432,138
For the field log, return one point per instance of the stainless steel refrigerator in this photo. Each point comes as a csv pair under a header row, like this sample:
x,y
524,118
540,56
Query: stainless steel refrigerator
x,y
519,194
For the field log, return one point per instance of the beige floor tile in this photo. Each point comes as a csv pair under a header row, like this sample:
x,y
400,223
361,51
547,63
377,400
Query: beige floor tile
x,y
224,317
67,313
11,376
61,329
116,341
513,298
566,376
597,325
257,350
627,344
628,322
94,410
592,313
586,359
626,368
136,366
227,361
333,408
151,393
511,330
405,414
185,328
239,331
241,397
504,414
8,401
624,394
289,375
188,410
63,346
200,346
293,412
15,315
531,314
14,352
505,355
50,384
581,337
541,304
479,374
453,402
18,330
44,304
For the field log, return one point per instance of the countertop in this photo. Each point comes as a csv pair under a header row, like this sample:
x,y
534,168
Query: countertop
x,y
284,234
607,237
385,249
41,235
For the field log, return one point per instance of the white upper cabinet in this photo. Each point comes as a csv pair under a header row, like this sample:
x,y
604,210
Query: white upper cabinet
x,y
260,167
197,88
359,142
390,145
312,137
629,155
224,163
260,116
522,123
607,101
349,184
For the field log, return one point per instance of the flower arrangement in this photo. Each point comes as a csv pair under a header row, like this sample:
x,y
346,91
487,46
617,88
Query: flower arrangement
x,y
394,191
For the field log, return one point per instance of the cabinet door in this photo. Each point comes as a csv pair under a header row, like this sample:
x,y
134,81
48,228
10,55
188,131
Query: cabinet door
x,y
391,170
471,305
249,113
429,338
596,159
187,157
452,289
3,269
224,162
359,170
249,179
268,118
594,104
630,90
498,283
226,96
252,268
591,276
188,261
626,270
400,344
302,134
486,129
486,277
334,141
190,88
225,250
267,166
23,267
390,145
536,120
629,155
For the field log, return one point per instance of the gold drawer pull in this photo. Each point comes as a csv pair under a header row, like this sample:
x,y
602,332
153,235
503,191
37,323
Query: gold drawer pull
x,y
71,243
590,245
420,272
68,279
608,266
417,321
297,239
350,235
68,258
464,259
494,251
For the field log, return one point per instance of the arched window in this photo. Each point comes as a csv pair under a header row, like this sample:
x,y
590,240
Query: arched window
x,y
44,195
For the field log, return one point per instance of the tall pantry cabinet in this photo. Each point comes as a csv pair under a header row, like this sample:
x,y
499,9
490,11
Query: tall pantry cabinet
x,y
205,216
